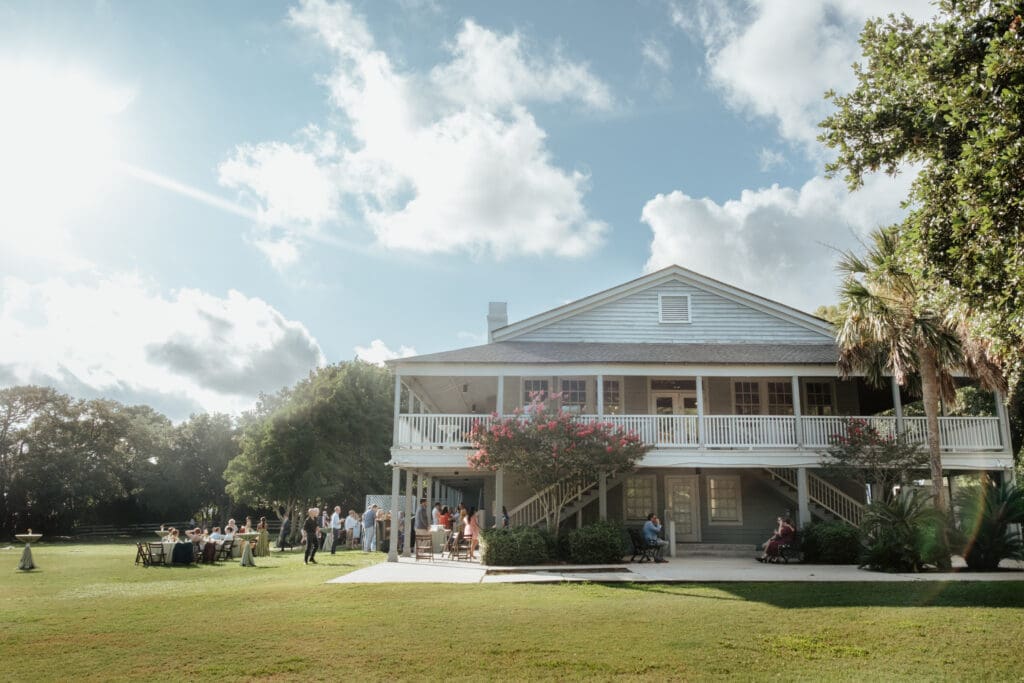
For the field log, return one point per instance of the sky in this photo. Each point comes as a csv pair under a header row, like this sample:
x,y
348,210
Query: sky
x,y
200,202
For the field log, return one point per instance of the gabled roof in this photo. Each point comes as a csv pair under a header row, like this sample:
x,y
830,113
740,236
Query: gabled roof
x,y
540,353
671,273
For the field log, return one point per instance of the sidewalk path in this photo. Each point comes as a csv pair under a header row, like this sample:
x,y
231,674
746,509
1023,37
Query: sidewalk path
x,y
678,570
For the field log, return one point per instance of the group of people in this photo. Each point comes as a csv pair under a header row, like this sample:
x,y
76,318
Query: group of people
x,y
204,536
359,530
463,523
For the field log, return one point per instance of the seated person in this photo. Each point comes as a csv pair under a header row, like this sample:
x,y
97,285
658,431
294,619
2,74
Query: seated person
x,y
229,532
652,536
216,535
784,535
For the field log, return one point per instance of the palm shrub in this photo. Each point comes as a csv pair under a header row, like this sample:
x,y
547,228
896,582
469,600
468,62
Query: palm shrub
x,y
830,543
598,543
903,534
986,514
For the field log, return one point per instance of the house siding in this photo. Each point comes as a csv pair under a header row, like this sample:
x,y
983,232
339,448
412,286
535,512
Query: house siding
x,y
634,318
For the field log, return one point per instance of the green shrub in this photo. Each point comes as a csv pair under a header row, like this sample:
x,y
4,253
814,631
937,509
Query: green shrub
x,y
514,547
830,543
904,534
986,513
598,543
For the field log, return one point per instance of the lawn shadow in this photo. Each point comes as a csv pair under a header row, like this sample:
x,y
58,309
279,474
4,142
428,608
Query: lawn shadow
x,y
803,595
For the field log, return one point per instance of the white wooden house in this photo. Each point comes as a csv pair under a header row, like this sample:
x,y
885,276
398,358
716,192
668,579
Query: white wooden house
x,y
738,395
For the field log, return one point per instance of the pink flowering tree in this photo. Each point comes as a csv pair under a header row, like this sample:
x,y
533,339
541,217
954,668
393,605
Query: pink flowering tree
x,y
553,453
867,456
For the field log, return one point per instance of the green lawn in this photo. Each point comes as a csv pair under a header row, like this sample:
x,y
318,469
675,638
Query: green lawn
x,y
90,613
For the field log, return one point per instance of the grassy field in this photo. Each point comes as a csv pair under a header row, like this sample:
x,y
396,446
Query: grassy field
x,y
89,613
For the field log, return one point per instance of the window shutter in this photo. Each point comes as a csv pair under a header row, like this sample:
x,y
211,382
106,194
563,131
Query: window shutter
x,y
675,308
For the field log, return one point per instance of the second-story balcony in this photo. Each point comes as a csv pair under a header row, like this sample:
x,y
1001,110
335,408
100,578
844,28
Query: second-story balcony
x,y
737,432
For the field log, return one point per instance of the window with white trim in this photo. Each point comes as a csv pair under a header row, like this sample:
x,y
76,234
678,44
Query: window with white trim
x,y
612,397
531,386
780,398
725,504
673,308
638,497
574,395
747,398
819,398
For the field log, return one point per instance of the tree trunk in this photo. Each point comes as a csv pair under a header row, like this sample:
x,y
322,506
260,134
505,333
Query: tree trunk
x,y
930,398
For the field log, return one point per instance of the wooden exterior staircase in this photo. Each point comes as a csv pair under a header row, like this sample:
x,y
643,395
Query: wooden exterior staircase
x,y
825,499
531,513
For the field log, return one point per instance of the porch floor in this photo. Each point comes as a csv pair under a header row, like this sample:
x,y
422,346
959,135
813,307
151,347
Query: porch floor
x,y
676,570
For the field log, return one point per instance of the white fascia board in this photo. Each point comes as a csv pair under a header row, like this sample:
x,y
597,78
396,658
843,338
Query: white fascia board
x,y
677,273
454,459
652,369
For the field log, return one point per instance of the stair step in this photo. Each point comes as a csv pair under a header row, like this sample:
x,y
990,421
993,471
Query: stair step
x,y
715,550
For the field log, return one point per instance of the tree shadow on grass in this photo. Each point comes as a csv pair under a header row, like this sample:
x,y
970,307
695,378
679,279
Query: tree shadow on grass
x,y
994,594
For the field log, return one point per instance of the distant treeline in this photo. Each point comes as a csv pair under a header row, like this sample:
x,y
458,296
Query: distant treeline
x,y
66,462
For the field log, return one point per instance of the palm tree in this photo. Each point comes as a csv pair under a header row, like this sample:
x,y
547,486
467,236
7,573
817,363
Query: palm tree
x,y
890,324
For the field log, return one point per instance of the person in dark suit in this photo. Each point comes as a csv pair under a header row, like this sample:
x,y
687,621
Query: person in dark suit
x,y
310,531
286,528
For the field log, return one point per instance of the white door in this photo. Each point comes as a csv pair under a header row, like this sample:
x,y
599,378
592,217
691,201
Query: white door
x,y
668,404
682,494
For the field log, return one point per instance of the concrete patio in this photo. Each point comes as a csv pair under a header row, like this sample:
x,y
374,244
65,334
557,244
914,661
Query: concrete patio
x,y
678,570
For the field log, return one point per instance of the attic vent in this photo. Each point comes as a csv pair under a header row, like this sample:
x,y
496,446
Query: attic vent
x,y
675,308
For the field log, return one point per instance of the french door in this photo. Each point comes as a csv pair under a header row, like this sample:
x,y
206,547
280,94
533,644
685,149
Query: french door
x,y
682,495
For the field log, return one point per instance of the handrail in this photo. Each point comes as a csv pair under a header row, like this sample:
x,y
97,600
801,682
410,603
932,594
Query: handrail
x,y
530,511
824,494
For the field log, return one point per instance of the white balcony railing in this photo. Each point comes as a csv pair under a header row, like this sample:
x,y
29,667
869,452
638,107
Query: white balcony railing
x,y
957,434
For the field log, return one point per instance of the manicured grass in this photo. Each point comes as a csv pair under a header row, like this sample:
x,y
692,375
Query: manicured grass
x,y
89,613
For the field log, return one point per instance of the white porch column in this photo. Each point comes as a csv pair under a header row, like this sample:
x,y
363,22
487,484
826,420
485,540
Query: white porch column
x,y
802,499
396,475
798,426
499,401
701,437
398,407
427,492
1004,421
897,405
602,497
410,478
600,397
499,496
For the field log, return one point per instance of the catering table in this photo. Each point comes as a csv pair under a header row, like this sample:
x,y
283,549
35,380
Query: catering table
x,y
26,555
246,551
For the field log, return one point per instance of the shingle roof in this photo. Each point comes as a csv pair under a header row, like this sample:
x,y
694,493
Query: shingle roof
x,y
536,353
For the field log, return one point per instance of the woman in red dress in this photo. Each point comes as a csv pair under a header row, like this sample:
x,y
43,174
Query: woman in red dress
x,y
784,535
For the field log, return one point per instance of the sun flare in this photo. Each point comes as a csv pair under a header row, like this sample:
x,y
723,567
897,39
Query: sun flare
x,y
58,139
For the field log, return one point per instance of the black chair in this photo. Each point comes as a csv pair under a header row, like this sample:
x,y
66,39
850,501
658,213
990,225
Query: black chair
x,y
224,552
641,548
790,551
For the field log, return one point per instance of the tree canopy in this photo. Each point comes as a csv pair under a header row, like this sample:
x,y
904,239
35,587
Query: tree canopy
x,y
944,98
552,453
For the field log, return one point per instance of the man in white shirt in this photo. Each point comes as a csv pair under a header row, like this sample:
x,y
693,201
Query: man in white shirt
x,y
351,524
335,528
436,514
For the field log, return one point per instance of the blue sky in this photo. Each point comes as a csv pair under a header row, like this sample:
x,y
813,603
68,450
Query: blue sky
x,y
205,201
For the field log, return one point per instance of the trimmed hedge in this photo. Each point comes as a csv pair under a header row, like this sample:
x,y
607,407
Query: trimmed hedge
x,y
830,543
519,546
598,543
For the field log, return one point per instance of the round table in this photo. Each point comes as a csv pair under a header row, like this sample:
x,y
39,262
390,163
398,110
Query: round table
x,y
26,555
247,560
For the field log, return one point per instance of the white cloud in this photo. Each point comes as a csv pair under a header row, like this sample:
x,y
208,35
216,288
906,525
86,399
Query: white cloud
x,y
777,242
656,53
378,352
769,159
118,337
448,160
776,58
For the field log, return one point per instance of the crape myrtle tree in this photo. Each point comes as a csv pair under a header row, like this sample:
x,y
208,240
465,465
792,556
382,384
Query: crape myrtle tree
x,y
552,453
946,98
325,440
864,455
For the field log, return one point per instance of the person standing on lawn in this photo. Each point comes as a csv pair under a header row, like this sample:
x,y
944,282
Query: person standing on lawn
x,y
310,531
351,524
370,529
335,528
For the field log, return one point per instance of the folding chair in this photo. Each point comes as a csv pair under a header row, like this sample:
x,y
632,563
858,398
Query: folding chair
x,y
142,555
224,552
424,545
156,554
